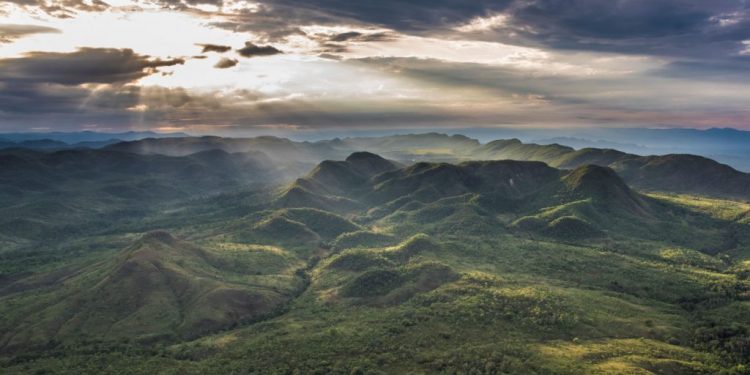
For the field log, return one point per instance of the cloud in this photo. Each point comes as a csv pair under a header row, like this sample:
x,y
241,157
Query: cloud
x,y
450,62
328,48
690,28
70,107
90,84
377,37
329,56
356,36
411,16
695,28
214,48
186,4
645,98
252,50
665,27
342,37
60,9
86,65
340,42
225,63
270,22
10,32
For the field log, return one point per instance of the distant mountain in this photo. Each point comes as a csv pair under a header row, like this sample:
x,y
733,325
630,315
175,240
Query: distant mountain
x,y
213,168
65,193
85,136
673,173
68,141
410,147
280,149
579,143
407,148
680,173
726,145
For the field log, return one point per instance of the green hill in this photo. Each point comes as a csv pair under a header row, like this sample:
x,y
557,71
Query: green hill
x,y
159,288
688,174
369,266
603,187
331,184
671,173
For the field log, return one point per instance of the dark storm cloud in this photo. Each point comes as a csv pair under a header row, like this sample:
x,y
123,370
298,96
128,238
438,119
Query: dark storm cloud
x,y
9,33
252,50
49,98
408,16
694,39
214,48
695,36
85,84
665,27
272,22
86,65
108,107
226,63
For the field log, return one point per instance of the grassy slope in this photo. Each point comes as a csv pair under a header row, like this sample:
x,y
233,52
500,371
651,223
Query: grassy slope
x,y
472,294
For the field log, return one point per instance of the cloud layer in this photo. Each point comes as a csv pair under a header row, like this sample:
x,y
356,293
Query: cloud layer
x,y
335,63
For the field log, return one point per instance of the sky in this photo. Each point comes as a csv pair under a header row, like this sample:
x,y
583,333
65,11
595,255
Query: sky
x,y
241,67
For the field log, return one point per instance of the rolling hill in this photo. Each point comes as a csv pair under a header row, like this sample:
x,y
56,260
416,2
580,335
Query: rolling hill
x,y
369,265
157,288
677,173
688,174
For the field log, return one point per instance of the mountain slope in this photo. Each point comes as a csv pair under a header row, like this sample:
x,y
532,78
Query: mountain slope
x,y
686,173
68,193
672,173
159,288
331,184
367,266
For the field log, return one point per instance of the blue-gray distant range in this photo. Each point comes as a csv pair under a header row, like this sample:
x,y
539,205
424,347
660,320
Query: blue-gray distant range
x,y
726,145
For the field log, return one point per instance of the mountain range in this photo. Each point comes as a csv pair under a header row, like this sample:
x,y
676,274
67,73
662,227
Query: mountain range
x,y
406,254
673,172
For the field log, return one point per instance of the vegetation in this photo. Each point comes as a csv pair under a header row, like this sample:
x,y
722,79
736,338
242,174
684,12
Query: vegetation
x,y
368,266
